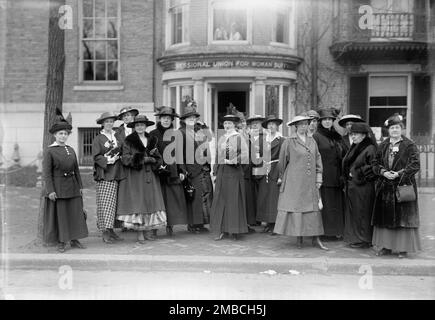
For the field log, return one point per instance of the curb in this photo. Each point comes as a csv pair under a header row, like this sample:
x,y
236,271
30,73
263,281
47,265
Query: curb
x,y
88,262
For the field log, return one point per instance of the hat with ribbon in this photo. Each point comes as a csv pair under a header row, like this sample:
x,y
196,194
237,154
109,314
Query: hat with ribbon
x,y
313,114
360,127
349,117
107,115
190,110
271,118
327,113
60,123
255,117
393,120
140,118
124,110
297,119
166,111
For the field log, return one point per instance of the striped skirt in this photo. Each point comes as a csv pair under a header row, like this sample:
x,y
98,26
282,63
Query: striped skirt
x,y
107,194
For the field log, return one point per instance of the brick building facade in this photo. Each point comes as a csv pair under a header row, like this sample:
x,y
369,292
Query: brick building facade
x,y
261,56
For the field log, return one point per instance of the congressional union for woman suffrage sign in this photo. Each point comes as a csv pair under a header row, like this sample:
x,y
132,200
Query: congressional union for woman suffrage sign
x,y
231,63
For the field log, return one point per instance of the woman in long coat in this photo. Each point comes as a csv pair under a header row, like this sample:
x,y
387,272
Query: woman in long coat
x,y
300,177
171,175
359,186
64,220
108,171
331,149
228,211
195,168
268,190
396,223
140,201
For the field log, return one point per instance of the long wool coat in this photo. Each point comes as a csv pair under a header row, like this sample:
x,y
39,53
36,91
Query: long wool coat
x,y
268,190
360,191
172,188
300,168
387,212
140,191
228,211
198,211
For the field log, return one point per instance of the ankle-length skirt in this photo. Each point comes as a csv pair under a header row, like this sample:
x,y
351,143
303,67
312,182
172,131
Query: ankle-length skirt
x,y
397,240
299,224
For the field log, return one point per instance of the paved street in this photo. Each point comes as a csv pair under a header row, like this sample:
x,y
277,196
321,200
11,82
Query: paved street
x,y
50,284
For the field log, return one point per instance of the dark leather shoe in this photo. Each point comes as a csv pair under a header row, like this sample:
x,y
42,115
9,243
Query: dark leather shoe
x,y
114,236
77,244
107,237
61,247
221,236
169,231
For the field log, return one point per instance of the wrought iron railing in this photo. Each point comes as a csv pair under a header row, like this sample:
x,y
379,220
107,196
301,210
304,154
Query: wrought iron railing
x,y
385,26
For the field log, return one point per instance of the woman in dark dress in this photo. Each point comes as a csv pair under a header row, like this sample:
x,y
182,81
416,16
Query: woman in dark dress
x,y
268,190
171,175
64,220
228,211
396,223
331,150
140,201
359,186
195,165
108,171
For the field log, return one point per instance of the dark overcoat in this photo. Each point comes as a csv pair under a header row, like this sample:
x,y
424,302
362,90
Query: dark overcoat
x,y
228,210
196,163
387,212
172,188
359,191
268,190
140,191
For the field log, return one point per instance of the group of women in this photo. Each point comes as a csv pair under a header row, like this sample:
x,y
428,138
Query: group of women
x,y
315,183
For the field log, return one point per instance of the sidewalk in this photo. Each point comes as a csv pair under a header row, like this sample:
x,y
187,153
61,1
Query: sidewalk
x,y
199,251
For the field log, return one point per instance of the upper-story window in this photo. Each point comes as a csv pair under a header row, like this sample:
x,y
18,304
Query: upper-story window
x,y
229,22
178,22
281,24
99,40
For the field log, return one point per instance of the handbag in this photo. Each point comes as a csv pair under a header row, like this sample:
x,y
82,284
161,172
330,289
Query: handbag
x,y
405,193
189,190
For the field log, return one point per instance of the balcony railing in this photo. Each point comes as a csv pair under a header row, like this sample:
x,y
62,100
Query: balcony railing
x,y
386,27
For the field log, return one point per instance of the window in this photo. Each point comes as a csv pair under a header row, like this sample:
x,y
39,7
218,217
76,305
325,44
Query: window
x,y
178,21
179,96
229,21
272,100
387,95
281,25
99,40
86,136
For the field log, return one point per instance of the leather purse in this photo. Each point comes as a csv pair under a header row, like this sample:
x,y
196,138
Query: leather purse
x,y
405,193
189,189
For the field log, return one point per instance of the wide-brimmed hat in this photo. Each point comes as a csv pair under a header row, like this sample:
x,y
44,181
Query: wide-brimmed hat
x,y
231,117
107,115
140,118
60,125
360,127
313,114
271,118
189,111
166,111
327,113
124,110
255,117
297,119
349,117
393,120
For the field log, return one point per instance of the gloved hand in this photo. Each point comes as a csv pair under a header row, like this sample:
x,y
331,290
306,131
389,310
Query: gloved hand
x,y
52,196
149,160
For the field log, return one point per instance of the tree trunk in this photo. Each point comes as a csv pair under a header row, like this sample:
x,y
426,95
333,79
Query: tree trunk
x,y
54,88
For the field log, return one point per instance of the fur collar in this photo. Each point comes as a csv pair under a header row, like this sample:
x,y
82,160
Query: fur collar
x,y
134,140
331,134
353,153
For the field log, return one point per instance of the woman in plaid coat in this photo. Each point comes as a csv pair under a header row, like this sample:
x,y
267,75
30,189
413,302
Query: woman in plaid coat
x,y
107,173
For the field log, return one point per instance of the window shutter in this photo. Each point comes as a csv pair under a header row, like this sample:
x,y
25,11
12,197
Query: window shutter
x,y
358,95
421,106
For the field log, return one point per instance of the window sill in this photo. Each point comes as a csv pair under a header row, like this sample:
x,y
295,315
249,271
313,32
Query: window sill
x,y
177,45
100,87
230,42
281,44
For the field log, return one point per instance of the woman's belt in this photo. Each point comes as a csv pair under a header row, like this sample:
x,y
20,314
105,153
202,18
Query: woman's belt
x,y
65,174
